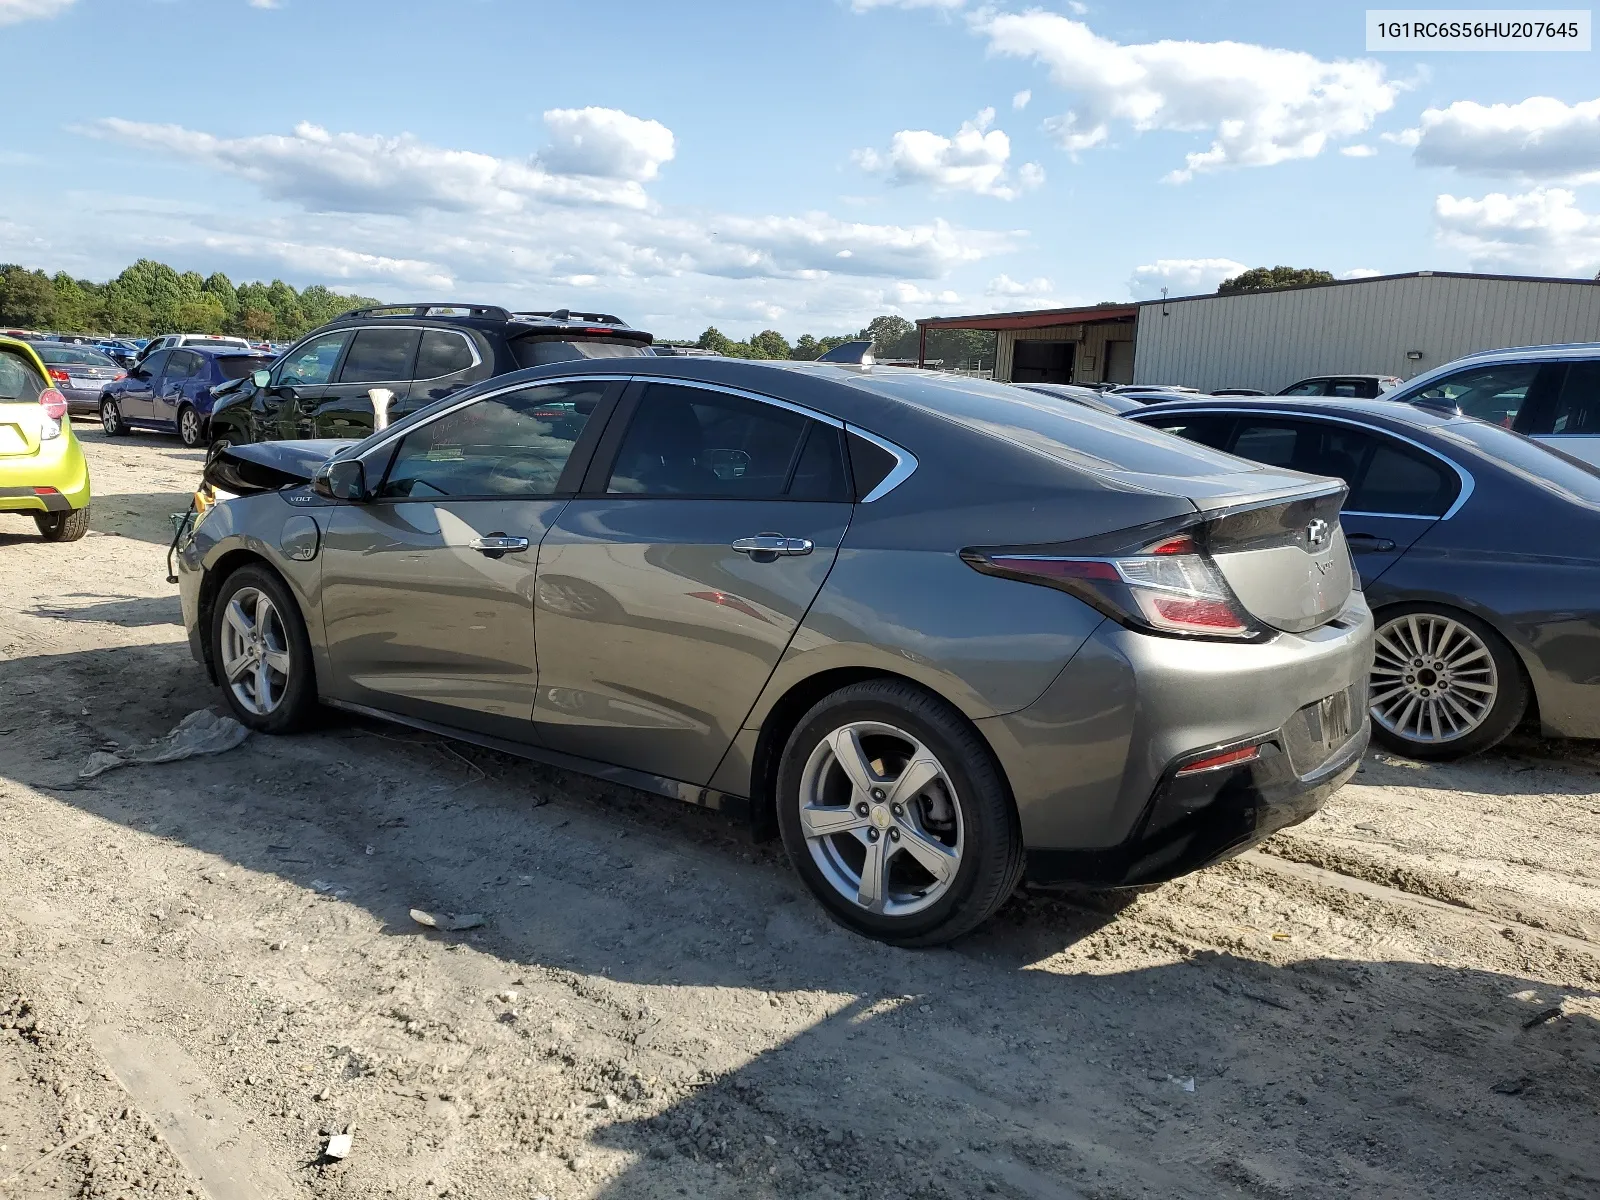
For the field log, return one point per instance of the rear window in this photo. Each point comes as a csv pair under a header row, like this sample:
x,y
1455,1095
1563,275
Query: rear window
x,y
1073,434
237,366
536,352
75,356
18,378
1543,466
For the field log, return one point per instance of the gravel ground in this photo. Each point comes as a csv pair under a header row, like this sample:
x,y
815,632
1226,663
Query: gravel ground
x,y
208,968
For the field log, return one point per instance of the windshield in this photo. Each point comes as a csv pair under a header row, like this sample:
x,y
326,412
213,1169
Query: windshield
x,y
237,366
536,352
18,379
73,356
1542,466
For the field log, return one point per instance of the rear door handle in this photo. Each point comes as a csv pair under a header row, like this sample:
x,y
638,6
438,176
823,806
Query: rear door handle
x,y
772,544
495,545
1363,543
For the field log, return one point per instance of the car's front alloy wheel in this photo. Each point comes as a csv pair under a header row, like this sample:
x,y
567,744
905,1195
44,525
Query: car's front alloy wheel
x,y
261,652
896,816
1443,683
111,418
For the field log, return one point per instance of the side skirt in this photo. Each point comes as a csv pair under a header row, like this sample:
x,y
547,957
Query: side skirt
x,y
737,807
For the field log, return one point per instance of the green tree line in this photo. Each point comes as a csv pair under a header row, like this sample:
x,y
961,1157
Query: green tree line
x,y
151,298
893,337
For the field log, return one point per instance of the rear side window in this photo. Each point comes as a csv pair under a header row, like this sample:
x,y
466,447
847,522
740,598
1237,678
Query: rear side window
x,y
1494,394
687,441
380,356
1307,387
511,445
237,366
1385,476
182,365
19,380
1577,404
1209,429
443,352
536,352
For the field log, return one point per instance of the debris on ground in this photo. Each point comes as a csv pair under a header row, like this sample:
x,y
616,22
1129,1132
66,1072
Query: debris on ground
x,y
201,732
449,924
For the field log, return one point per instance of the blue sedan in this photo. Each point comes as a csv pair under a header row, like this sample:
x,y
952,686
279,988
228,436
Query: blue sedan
x,y
1478,549
173,390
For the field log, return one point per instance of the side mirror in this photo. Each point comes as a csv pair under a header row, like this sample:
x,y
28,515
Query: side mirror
x,y
261,378
341,479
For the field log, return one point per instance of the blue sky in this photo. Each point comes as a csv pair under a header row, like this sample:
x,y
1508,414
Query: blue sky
x,y
800,166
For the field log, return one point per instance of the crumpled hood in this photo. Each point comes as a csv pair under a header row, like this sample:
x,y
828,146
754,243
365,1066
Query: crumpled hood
x,y
270,466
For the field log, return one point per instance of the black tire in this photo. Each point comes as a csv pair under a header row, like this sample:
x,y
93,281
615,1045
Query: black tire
x,y
63,526
111,418
191,427
990,860
1398,628
298,700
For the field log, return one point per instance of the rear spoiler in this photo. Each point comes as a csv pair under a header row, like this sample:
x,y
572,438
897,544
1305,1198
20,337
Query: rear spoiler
x,y
857,353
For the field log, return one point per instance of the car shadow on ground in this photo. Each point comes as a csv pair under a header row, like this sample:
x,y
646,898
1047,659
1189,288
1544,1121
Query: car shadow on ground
x,y
131,612
1212,1074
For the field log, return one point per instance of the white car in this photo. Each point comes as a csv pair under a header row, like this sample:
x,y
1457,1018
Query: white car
x,y
168,341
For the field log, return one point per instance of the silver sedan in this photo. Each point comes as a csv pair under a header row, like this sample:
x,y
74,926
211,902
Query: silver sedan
x,y
78,373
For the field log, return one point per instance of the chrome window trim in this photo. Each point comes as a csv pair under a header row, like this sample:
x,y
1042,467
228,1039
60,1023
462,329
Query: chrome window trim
x,y
477,359
1467,482
905,463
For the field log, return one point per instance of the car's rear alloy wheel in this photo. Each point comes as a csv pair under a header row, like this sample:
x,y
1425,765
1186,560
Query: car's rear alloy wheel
x,y
261,651
111,419
895,815
1443,684
191,429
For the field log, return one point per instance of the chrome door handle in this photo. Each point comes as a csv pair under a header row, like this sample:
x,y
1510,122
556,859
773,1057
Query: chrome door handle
x,y
496,544
773,544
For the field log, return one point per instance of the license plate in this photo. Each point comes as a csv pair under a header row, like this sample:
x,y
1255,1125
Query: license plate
x,y
87,385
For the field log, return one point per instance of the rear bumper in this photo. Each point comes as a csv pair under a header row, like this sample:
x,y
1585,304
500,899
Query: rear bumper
x,y
1194,821
1092,760
82,400
58,464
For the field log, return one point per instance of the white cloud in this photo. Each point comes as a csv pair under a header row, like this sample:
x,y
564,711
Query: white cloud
x,y
1360,273
1261,105
1540,138
1358,151
1406,137
909,295
266,3
1542,231
13,11
1020,100
1004,285
355,172
974,160
606,143
1181,276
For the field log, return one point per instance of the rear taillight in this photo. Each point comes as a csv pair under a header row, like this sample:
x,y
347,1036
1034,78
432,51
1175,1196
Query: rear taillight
x,y
1168,587
55,408
59,375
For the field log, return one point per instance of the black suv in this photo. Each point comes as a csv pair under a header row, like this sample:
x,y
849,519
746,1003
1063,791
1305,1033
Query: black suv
x,y
419,352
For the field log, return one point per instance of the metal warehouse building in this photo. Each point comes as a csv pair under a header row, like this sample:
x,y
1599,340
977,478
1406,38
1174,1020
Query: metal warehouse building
x,y
1386,325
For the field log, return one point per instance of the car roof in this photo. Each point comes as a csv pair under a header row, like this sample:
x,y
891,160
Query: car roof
x,y
1344,375
1524,353
226,350
27,351
1395,413
488,316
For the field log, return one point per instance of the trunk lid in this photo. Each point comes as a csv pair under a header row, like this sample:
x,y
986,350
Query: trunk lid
x,y
1284,555
20,422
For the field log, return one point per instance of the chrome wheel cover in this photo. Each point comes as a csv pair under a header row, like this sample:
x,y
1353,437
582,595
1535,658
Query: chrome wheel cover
x,y
255,651
880,818
1433,679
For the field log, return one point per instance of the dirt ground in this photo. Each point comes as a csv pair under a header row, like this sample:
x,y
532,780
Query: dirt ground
x,y
207,968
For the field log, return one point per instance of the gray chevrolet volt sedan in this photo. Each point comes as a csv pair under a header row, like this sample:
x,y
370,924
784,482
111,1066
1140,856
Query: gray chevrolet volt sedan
x,y
934,631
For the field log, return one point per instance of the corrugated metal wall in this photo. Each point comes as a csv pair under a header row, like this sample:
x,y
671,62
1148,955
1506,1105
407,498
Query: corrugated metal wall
x,y
1268,340
1089,357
